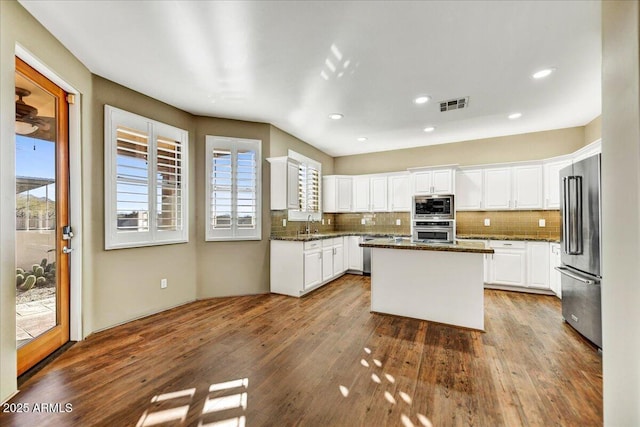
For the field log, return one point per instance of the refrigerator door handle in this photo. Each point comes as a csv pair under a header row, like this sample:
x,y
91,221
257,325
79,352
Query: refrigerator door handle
x,y
572,210
568,273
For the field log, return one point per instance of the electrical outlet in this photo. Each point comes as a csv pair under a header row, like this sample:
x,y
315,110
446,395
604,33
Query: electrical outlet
x,y
398,221
362,221
163,283
487,222
322,221
329,221
284,222
542,222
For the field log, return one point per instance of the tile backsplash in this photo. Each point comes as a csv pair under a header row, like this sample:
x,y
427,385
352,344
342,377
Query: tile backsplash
x,y
374,222
378,222
510,223
503,223
292,227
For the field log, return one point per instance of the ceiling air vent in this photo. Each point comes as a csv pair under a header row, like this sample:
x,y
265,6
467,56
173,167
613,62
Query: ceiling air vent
x,y
454,104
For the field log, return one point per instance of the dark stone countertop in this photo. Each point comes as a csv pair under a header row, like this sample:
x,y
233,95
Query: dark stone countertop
x,y
398,243
504,237
331,235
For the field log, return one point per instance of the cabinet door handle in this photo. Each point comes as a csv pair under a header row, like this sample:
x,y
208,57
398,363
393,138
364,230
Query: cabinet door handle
x,y
508,244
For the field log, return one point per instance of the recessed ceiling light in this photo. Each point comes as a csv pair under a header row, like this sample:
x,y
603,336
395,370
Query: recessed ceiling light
x,y
362,138
514,116
335,116
429,129
543,73
423,99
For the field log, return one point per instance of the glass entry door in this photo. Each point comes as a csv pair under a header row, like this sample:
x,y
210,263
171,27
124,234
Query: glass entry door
x,y
42,213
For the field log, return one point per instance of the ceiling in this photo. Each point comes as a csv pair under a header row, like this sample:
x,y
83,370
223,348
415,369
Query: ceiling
x,y
293,63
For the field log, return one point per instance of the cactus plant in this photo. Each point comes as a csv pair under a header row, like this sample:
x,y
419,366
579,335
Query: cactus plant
x,y
41,281
19,279
38,271
19,270
43,263
29,282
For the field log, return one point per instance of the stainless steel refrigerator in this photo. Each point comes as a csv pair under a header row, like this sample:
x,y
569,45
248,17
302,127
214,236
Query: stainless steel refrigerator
x,y
581,274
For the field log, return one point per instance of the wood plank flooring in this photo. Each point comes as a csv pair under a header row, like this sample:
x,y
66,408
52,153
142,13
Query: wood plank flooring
x,y
324,360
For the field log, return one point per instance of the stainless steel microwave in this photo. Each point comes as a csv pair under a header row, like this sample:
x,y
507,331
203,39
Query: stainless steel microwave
x,y
439,206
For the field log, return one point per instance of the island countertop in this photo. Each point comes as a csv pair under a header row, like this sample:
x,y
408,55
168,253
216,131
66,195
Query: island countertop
x,y
399,243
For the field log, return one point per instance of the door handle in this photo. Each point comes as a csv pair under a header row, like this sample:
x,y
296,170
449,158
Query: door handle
x,y
568,273
66,250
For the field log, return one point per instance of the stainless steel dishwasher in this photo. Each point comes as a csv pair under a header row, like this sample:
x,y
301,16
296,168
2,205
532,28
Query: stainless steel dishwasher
x,y
366,257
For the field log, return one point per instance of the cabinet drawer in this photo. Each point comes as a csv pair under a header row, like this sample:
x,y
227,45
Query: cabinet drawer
x,y
507,244
337,241
327,243
314,244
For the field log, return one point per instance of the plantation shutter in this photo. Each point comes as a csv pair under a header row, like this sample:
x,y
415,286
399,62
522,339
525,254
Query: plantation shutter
x,y
145,181
233,188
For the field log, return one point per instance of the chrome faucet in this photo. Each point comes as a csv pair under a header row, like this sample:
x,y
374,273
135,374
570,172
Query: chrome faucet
x,y
307,229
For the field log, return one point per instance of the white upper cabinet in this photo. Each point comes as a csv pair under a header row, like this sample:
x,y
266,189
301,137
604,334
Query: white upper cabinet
x,y
379,194
514,187
497,188
469,183
552,183
337,193
361,194
433,181
284,183
399,195
370,193
527,187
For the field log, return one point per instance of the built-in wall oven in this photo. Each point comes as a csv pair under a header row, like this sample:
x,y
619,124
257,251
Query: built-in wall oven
x,y
439,206
434,231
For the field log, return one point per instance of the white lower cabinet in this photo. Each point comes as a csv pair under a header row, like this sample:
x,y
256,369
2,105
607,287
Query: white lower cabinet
x,y
312,269
519,264
300,267
355,254
538,265
338,259
508,264
555,260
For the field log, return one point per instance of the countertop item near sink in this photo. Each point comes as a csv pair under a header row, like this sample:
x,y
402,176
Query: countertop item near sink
x,y
504,237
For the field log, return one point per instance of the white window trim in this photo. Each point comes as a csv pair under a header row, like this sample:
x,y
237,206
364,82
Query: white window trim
x,y
296,215
234,233
113,117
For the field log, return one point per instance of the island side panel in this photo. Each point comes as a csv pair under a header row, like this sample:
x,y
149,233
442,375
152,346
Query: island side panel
x,y
440,286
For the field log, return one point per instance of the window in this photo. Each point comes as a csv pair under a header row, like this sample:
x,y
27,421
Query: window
x,y
145,181
234,194
309,189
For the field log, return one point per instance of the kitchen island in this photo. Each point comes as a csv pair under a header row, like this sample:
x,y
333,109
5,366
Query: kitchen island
x,y
440,282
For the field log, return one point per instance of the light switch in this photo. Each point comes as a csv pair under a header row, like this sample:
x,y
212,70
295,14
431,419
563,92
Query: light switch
x,y
487,222
362,221
322,221
329,221
284,222
542,222
398,221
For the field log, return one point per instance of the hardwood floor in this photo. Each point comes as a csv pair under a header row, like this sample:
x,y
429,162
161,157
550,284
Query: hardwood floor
x,y
324,360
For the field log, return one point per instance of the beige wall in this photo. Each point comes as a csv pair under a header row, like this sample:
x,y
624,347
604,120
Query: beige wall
x,y
529,146
17,26
126,282
282,142
621,212
593,130
231,268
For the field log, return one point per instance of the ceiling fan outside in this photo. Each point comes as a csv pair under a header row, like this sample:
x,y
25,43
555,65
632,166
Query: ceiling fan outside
x,y
27,120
